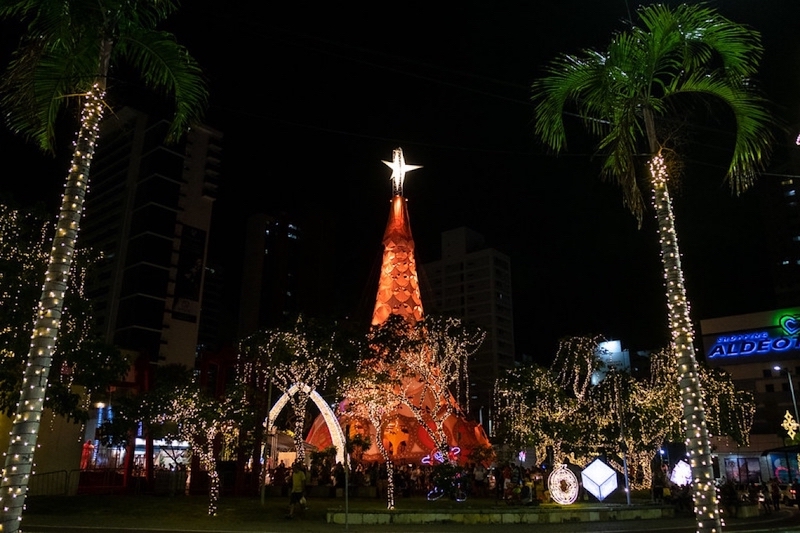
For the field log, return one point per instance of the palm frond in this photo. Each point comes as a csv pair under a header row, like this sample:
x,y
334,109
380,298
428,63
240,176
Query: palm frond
x,y
38,82
53,20
688,49
29,9
620,154
166,66
145,14
753,124
568,78
702,38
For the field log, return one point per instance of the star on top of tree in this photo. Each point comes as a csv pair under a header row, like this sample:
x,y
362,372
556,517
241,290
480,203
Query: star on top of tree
x,y
399,169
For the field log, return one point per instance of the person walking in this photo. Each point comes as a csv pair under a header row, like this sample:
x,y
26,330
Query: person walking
x,y
765,498
775,491
479,479
297,496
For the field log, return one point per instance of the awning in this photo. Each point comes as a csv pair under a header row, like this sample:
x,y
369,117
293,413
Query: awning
x,y
795,448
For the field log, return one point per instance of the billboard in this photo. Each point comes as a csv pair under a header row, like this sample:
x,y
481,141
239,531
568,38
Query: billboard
x,y
776,339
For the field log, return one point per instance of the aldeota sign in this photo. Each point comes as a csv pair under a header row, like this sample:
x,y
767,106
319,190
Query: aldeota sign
x,y
779,339
763,346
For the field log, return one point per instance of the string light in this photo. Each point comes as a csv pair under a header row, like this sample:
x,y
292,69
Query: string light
x,y
19,460
299,360
201,421
423,361
542,408
371,398
706,505
412,362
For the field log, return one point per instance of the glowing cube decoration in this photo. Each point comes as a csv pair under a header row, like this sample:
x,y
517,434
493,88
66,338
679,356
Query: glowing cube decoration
x,y
599,479
681,474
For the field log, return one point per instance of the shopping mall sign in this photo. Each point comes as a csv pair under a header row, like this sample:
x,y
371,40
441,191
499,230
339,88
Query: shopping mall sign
x,y
777,339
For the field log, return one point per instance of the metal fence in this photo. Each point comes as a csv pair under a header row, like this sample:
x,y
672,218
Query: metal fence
x,y
58,483
105,481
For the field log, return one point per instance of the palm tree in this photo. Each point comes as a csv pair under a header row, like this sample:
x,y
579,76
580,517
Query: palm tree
x,y
622,93
67,54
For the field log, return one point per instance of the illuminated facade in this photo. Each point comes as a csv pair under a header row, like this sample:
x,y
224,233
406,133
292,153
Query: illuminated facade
x,y
750,347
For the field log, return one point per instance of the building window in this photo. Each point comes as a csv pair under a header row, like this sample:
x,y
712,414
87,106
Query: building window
x,y
767,373
769,388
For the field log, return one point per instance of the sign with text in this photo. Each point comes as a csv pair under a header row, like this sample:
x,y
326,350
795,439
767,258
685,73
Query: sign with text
x,y
774,340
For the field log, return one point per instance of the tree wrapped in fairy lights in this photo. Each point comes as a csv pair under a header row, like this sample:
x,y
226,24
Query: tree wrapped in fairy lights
x,y
732,410
145,411
426,363
560,408
575,363
66,56
370,396
625,94
532,410
203,421
298,359
80,358
629,424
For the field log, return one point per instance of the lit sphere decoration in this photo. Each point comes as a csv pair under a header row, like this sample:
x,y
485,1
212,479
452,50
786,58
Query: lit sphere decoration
x,y
563,485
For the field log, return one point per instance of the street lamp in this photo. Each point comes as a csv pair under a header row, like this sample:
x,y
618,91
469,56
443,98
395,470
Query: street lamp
x,y
791,389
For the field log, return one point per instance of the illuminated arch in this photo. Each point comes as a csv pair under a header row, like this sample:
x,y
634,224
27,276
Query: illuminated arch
x,y
337,436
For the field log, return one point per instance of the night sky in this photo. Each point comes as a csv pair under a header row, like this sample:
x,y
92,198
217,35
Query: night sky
x,y
310,100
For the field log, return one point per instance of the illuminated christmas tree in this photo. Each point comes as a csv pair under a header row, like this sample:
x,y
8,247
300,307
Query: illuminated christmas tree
x,y
424,358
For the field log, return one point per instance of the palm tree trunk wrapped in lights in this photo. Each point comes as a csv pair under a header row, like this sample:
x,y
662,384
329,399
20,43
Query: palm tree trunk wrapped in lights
x,y
67,51
687,51
698,443
25,427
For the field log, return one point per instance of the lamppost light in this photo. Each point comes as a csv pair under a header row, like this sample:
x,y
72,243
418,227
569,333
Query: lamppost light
x,y
791,388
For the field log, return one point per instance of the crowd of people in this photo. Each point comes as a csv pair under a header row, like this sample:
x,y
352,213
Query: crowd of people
x,y
768,496
506,481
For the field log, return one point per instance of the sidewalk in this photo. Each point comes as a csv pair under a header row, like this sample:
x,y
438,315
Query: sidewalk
x,y
123,514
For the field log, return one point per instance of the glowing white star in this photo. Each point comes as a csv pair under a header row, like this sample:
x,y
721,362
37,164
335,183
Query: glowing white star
x,y
399,169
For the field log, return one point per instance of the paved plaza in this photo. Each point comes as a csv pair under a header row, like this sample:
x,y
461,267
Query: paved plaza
x,y
124,514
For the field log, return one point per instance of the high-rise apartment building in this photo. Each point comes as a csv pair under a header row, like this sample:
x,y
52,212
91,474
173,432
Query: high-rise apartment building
x,y
269,277
287,271
149,213
473,282
780,195
783,221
